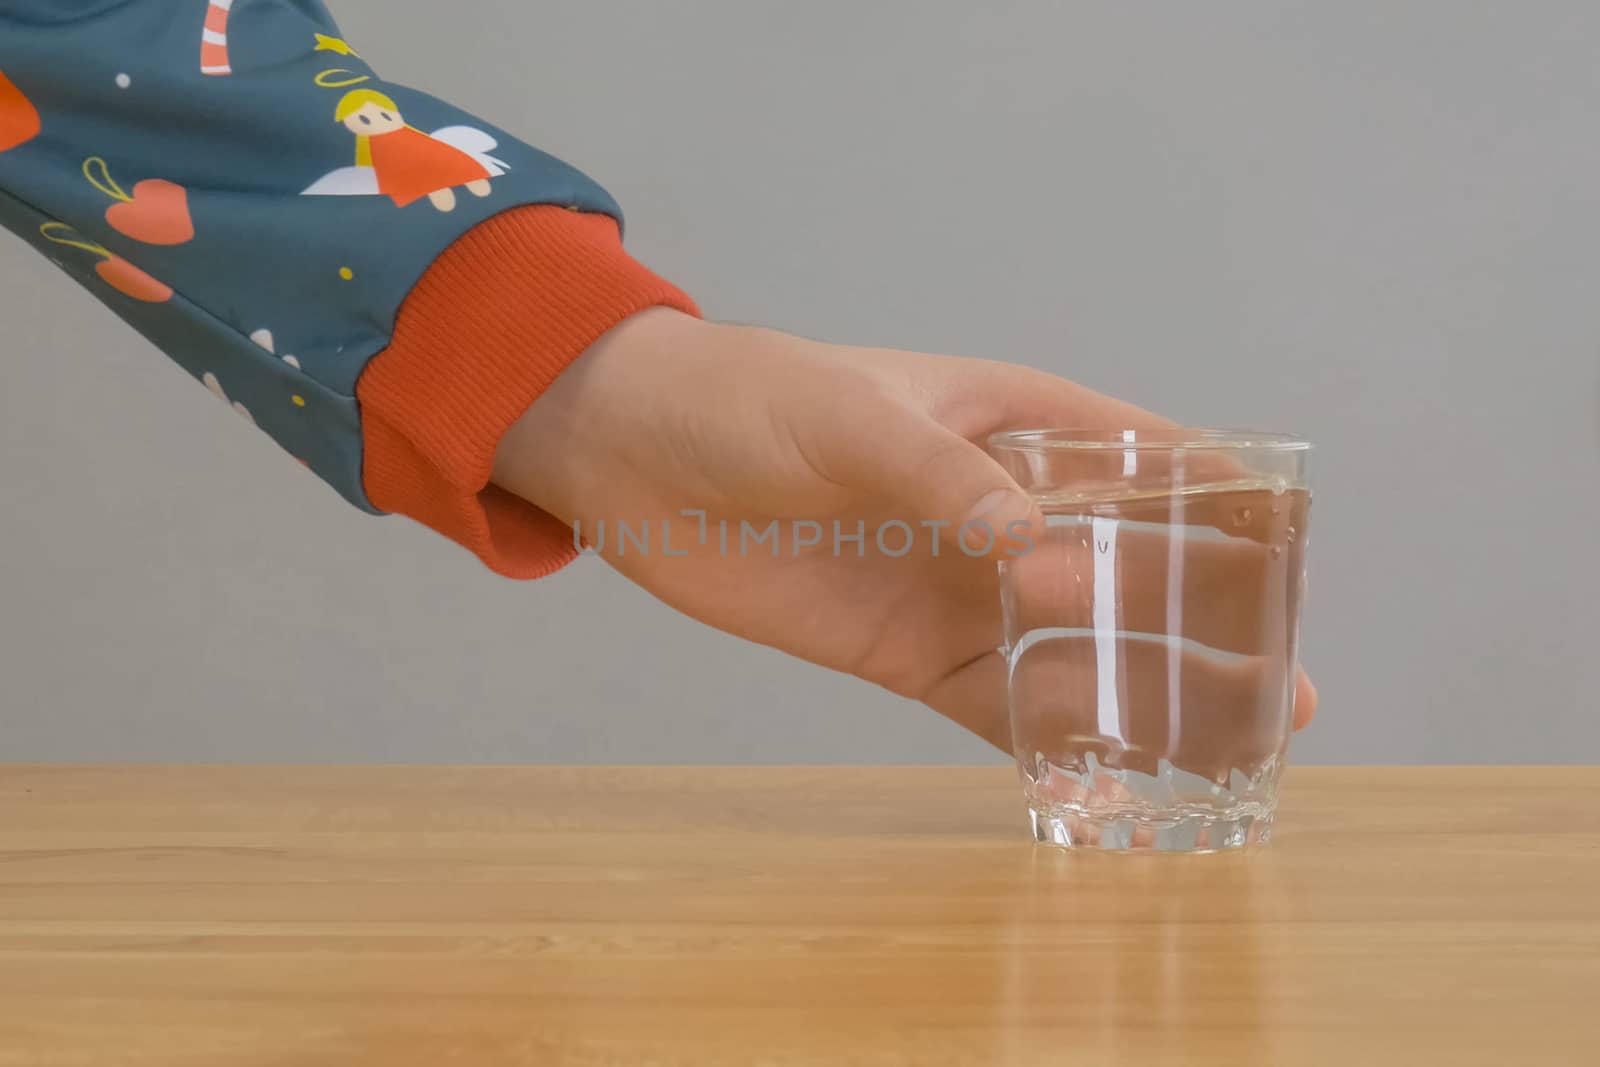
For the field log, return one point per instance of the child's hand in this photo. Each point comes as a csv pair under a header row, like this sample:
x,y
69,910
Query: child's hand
x,y
667,413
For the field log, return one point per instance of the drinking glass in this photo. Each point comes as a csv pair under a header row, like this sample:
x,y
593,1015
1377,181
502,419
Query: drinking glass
x,y
1151,632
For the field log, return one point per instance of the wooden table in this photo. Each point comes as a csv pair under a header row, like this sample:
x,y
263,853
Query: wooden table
x,y
299,917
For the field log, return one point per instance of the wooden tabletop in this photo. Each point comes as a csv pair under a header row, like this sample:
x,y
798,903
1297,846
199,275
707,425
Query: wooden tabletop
x,y
300,916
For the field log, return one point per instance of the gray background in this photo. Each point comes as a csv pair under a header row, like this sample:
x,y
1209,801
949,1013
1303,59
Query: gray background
x,y
1372,222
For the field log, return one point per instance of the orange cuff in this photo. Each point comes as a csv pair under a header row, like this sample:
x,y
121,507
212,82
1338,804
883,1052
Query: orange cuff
x,y
490,325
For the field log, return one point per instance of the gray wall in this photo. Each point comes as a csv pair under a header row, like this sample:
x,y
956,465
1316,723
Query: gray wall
x,y
1372,222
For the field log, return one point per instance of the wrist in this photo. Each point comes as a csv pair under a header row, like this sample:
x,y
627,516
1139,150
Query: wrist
x,y
572,440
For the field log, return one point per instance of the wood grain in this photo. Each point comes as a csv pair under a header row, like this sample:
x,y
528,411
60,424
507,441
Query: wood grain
x,y
289,916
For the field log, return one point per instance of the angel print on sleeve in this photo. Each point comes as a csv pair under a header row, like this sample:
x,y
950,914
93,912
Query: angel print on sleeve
x,y
401,162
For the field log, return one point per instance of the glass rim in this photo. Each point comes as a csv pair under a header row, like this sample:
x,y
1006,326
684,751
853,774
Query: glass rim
x,y
1171,438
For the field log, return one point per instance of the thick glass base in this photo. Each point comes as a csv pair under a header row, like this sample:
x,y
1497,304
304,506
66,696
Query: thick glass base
x,y
1146,830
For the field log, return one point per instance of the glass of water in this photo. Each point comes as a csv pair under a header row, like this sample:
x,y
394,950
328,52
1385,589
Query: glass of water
x,y
1151,632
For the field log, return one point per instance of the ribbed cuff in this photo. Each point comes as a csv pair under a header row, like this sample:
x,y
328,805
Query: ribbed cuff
x,y
485,331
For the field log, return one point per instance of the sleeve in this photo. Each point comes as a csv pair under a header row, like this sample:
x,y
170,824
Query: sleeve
x,y
380,282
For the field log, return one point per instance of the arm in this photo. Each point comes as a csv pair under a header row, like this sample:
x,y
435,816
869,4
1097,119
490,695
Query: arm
x,y
411,328
383,322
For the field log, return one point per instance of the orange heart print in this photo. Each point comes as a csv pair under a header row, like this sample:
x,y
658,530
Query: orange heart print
x,y
131,281
156,212
19,119
112,268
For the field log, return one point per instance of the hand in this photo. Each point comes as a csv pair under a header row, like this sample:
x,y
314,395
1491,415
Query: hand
x,y
667,413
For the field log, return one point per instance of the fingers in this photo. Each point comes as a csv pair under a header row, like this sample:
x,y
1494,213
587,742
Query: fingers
x,y
1207,715
974,697
927,475
1230,593
1305,701
1134,700
979,397
1219,570
1189,630
1227,594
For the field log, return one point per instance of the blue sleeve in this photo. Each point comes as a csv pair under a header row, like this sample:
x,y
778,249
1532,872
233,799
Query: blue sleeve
x,y
235,181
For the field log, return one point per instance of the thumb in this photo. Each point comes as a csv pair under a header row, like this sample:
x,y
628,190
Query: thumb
x,y
938,478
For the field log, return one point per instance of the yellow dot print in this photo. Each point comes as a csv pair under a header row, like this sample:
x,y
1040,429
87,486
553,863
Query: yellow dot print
x,y
299,401
346,273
